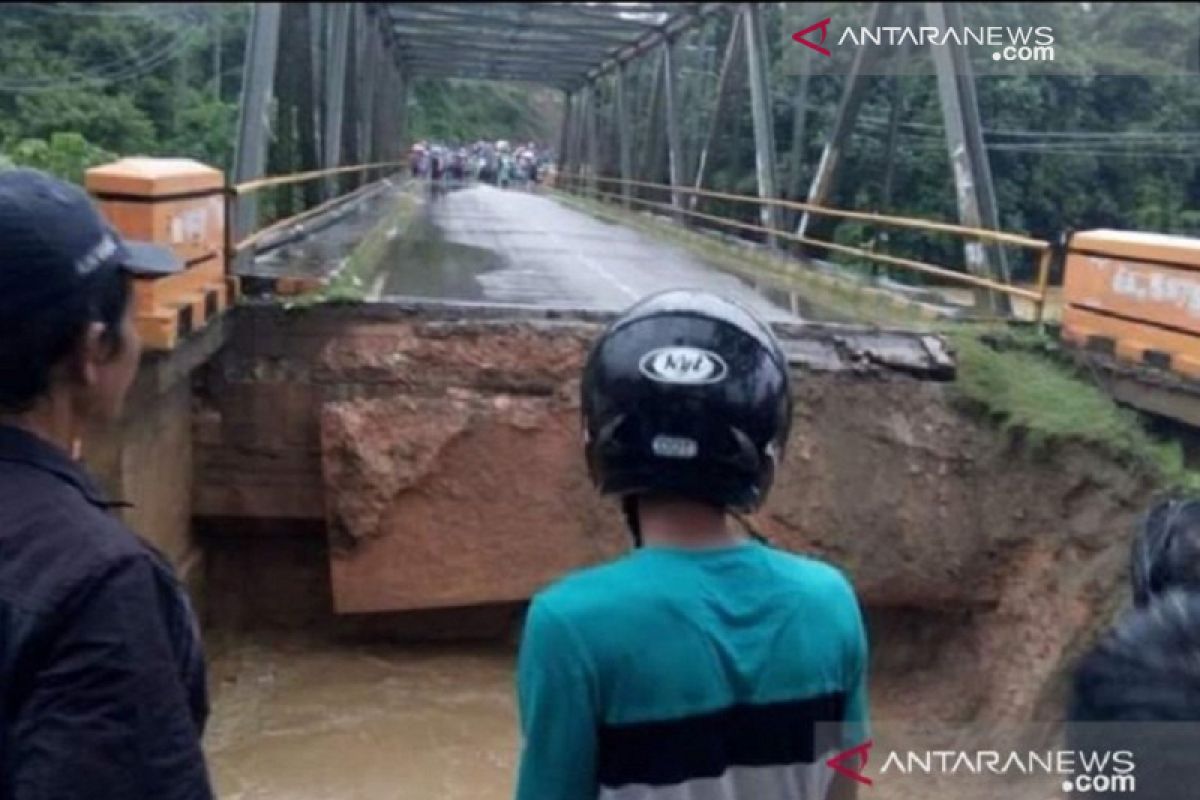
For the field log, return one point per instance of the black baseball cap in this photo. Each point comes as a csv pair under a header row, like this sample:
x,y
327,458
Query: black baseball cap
x,y
53,239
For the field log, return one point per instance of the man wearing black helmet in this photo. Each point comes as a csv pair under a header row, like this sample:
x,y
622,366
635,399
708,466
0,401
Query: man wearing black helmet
x,y
704,664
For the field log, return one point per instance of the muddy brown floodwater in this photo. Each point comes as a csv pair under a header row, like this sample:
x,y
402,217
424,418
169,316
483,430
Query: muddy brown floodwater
x,y
304,719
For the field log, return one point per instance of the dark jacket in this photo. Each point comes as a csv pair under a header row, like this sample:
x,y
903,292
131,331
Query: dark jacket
x,y
102,680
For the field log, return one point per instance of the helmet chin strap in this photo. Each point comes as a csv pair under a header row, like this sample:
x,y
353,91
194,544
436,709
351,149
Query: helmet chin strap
x,y
629,505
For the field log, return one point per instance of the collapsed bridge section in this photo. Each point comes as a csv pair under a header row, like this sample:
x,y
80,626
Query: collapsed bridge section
x,y
351,461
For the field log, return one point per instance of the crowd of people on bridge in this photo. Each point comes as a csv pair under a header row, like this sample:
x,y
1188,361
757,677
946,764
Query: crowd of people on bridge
x,y
498,162
700,664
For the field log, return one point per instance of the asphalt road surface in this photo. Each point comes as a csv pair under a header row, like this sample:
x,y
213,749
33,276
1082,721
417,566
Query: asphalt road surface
x,y
482,243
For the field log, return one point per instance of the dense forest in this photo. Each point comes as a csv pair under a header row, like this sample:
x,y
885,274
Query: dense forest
x,y
1084,148
81,83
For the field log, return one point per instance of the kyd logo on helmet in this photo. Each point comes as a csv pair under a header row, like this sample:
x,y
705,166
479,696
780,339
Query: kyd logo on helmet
x,y
684,365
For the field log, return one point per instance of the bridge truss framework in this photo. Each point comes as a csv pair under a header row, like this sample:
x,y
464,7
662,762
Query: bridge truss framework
x,y
328,84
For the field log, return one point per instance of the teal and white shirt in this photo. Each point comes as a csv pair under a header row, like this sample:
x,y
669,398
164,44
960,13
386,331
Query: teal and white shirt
x,y
675,674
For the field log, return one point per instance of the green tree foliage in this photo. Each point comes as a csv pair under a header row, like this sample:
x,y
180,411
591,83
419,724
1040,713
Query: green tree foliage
x,y
81,84
67,155
464,111
163,101
1043,185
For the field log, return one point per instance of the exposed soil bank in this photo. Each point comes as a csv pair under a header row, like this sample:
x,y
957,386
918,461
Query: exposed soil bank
x,y
371,462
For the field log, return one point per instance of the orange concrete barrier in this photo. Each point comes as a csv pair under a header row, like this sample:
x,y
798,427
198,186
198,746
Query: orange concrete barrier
x,y
1136,294
181,204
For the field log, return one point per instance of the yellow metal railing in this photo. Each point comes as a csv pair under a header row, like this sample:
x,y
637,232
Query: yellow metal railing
x,y
581,184
235,191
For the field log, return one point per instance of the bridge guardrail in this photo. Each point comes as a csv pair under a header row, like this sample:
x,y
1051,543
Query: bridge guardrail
x,y
234,191
584,186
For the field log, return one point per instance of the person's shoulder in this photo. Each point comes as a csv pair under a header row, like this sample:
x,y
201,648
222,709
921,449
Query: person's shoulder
x,y
59,544
95,532
809,572
590,589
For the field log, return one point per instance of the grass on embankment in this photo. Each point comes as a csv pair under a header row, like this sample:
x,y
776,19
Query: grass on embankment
x,y
1048,403
1016,386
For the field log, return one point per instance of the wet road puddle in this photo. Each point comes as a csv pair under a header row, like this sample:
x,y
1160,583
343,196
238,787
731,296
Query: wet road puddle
x,y
301,719
425,263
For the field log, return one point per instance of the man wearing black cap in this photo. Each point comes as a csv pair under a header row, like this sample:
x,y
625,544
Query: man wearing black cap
x,y
102,679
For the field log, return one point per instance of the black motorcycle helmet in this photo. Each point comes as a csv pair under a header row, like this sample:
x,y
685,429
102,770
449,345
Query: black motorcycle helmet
x,y
686,394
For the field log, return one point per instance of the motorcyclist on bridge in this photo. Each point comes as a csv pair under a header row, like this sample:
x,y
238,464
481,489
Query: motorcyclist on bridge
x,y
418,160
705,662
504,166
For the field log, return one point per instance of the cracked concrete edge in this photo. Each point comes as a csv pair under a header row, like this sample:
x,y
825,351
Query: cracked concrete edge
x,y
815,346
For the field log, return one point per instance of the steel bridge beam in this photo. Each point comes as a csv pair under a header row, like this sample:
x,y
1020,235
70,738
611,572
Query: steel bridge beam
x,y
799,132
352,110
648,41
307,115
731,68
623,135
446,57
671,110
541,54
853,94
895,111
337,22
262,45
964,138
760,106
525,15
471,24
564,132
593,155
316,27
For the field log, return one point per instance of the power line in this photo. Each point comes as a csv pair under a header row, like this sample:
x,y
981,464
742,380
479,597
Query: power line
x,y
934,147
120,69
930,143
1135,136
140,11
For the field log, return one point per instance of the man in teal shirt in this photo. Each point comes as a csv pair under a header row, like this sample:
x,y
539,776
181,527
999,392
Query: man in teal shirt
x,y
704,665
